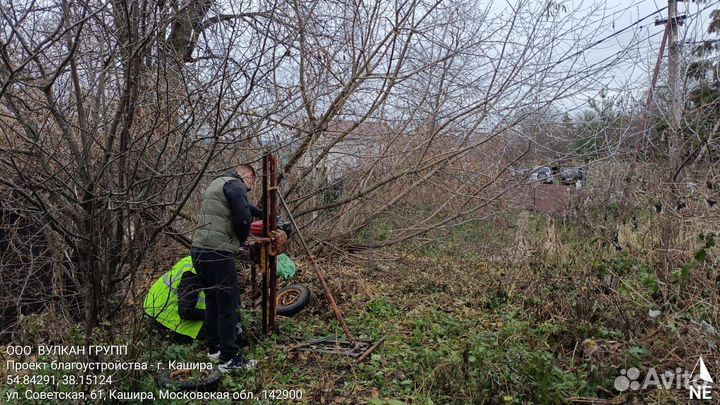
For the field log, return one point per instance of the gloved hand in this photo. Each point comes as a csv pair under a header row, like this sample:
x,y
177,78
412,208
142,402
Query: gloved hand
x,y
279,240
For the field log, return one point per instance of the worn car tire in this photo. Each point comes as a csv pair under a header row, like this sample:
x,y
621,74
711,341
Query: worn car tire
x,y
210,382
292,299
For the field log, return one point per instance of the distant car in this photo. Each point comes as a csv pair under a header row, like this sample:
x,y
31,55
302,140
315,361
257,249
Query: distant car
x,y
571,175
520,172
543,174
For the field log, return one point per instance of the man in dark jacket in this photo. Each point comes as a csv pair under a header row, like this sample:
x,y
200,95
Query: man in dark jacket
x,y
223,227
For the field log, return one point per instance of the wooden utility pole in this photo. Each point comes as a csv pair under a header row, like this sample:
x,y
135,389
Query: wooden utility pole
x,y
675,138
674,73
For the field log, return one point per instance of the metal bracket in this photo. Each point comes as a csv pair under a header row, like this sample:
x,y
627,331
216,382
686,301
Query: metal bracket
x,y
679,20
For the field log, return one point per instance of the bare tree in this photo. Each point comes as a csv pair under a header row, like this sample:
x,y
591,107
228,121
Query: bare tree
x,y
443,84
113,112
109,123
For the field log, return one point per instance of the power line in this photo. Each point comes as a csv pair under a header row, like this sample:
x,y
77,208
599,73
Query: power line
x,y
614,34
693,15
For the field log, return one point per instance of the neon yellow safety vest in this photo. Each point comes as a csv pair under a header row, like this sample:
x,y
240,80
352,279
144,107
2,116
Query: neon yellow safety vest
x,y
161,302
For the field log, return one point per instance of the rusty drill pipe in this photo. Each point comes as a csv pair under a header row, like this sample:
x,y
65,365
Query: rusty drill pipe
x,y
319,273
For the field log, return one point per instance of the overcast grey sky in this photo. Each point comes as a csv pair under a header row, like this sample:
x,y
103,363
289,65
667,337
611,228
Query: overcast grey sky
x,y
642,40
646,36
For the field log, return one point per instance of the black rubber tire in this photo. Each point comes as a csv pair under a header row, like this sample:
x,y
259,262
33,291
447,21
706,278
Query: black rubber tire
x,y
206,384
302,299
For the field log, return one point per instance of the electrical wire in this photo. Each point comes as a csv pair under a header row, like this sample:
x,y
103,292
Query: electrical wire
x,y
608,37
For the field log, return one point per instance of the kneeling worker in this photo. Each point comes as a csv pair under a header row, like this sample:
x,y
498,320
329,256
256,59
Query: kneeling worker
x,y
176,301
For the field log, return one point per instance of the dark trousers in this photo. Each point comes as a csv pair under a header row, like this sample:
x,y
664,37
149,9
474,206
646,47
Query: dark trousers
x,y
219,280
174,336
